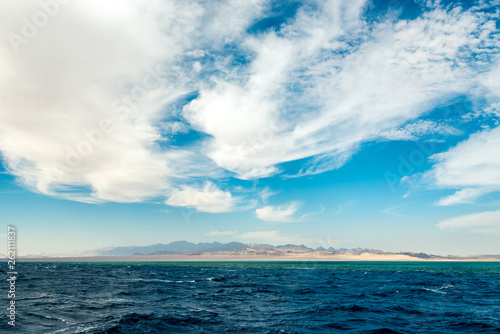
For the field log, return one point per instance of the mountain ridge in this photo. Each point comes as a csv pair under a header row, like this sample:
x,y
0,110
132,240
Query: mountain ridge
x,y
238,248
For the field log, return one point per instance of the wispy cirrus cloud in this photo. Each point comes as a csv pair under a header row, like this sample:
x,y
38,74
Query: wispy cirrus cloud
x,y
472,166
418,130
114,105
266,193
348,94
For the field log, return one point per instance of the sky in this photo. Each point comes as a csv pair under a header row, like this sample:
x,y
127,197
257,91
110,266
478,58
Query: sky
x,y
326,123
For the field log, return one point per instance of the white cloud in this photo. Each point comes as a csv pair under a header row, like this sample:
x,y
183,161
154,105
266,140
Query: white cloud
x,y
307,93
219,233
83,95
58,132
478,222
473,166
206,199
91,100
284,213
417,130
464,196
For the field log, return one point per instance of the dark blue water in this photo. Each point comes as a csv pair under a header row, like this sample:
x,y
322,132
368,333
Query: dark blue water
x,y
257,298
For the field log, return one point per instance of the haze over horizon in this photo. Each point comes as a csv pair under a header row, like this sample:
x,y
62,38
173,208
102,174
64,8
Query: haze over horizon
x,y
342,124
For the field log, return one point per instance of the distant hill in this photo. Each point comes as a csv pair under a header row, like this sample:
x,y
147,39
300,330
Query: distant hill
x,y
238,248
173,247
189,247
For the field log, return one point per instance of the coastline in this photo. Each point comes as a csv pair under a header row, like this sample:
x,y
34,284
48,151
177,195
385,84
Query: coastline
x,y
254,258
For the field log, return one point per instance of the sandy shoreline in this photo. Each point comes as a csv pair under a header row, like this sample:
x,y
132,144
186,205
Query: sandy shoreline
x,y
240,258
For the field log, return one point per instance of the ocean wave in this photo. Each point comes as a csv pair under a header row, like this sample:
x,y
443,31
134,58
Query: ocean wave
x,y
137,323
148,299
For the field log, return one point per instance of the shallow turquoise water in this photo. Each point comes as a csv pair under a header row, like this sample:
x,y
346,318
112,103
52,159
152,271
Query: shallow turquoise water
x,y
438,266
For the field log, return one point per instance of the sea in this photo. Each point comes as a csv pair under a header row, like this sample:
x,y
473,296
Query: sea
x,y
256,297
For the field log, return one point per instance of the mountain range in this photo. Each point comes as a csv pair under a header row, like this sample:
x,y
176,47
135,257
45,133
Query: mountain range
x,y
184,250
184,247
171,248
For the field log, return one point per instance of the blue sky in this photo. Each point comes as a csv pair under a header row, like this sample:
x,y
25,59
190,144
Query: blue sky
x,y
325,123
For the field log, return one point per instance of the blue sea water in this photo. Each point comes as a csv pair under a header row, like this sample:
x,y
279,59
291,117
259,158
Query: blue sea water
x,y
256,297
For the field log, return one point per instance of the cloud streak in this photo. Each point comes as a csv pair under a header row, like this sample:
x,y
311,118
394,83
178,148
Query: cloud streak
x,y
281,214
473,166
487,222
